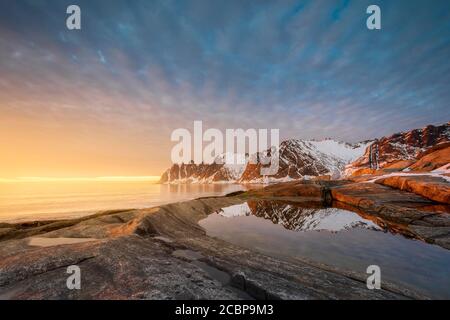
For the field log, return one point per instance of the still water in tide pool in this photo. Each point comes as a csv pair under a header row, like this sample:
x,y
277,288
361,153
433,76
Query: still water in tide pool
x,y
335,237
30,201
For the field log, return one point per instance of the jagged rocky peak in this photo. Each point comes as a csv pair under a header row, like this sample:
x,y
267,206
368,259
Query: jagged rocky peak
x,y
217,171
297,159
307,158
327,159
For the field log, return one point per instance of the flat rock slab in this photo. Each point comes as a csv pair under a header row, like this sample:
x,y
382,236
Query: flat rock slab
x,y
401,207
51,242
433,188
137,256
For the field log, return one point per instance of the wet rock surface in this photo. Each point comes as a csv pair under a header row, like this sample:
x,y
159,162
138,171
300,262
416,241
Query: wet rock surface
x,y
406,212
162,253
425,219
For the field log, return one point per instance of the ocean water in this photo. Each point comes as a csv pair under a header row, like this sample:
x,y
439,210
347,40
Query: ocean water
x,y
30,201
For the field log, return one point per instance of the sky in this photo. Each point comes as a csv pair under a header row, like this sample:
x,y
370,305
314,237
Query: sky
x,y
103,100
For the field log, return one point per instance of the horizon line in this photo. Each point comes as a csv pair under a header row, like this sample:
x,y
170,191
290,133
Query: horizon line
x,y
82,179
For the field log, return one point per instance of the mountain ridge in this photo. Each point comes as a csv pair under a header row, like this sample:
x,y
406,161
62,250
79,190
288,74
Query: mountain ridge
x,y
327,158
298,159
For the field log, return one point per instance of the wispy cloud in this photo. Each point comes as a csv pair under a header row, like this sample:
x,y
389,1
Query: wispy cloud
x,y
144,68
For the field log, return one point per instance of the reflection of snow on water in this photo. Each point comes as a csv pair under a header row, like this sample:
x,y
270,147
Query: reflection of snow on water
x,y
235,211
330,219
333,219
345,241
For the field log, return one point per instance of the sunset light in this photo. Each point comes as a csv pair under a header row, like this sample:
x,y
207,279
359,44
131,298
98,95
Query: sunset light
x,y
238,151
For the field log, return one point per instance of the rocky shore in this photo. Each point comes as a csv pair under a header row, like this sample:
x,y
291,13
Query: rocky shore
x,y
163,253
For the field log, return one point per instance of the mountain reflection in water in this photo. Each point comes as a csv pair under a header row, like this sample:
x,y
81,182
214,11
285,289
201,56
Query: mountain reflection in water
x,y
295,217
345,239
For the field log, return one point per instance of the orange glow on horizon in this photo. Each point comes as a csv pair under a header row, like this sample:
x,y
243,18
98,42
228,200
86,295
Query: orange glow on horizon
x,y
83,179
69,149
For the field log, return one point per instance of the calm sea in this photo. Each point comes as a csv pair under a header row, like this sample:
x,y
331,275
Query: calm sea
x,y
29,201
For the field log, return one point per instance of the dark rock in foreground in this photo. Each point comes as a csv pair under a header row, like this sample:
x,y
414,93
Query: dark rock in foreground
x,y
162,253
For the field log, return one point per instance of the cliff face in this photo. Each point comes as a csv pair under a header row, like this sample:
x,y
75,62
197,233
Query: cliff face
x,y
400,150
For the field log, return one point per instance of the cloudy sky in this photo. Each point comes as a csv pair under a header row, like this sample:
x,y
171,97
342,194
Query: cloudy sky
x,y
104,100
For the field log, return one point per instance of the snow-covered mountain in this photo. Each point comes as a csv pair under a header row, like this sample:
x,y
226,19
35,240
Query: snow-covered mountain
x,y
304,159
298,159
342,150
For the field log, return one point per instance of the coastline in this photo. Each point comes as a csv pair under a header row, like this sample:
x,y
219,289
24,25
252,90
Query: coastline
x,y
25,202
162,253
